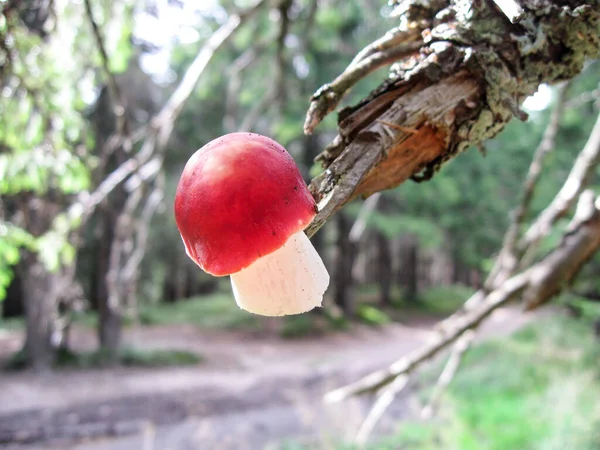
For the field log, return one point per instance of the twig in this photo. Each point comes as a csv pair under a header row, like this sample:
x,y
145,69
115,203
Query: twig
x,y
114,274
137,252
113,87
118,280
166,117
356,167
234,71
578,179
453,327
539,283
577,247
585,97
390,39
88,202
284,24
460,347
158,133
328,96
366,210
308,24
507,259
384,400
255,113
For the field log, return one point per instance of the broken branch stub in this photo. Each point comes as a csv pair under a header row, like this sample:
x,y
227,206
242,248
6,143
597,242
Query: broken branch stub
x,y
462,86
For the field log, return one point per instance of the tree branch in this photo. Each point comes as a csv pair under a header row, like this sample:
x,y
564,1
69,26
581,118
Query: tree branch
x,y
384,400
360,224
284,24
156,135
538,284
453,327
395,36
142,227
508,258
584,167
163,122
259,107
460,347
326,99
241,63
113,87
460,87
118,279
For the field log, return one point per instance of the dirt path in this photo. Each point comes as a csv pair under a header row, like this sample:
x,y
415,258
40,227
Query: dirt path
x,y
247,393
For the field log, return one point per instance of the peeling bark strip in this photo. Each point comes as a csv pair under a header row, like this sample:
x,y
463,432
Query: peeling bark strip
x,y
456,82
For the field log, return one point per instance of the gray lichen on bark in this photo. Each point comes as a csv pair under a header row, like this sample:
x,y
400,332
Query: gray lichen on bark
x,y
471,67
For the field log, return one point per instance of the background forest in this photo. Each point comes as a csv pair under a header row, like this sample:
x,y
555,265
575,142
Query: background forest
x,y
101,105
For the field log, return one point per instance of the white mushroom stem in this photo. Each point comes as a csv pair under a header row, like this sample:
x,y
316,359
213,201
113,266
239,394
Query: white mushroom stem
x,y
291,280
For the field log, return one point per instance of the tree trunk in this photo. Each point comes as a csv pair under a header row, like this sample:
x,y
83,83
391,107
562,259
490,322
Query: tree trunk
x,y
342,276
100,252
458,269
409,269
40,302
109,330
384,273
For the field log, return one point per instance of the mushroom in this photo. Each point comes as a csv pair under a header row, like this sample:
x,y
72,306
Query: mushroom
x,y
241,207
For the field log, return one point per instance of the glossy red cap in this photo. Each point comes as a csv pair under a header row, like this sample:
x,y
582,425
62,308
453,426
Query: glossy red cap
x,y
240,197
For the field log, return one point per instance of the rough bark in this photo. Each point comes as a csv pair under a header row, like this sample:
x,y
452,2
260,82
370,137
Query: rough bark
x,y
462,69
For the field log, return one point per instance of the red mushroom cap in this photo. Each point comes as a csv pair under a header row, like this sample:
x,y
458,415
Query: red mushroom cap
x,y
240,197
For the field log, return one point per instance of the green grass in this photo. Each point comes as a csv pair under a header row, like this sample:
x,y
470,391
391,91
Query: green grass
x,y
371,315
538,389
217,311
444,300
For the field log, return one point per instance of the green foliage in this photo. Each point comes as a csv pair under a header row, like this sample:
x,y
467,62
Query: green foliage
x,y
336,321
45,146
588,309
38,171
11,240
53,247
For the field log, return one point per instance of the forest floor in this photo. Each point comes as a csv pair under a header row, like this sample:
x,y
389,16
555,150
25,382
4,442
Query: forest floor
x,y
248,392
